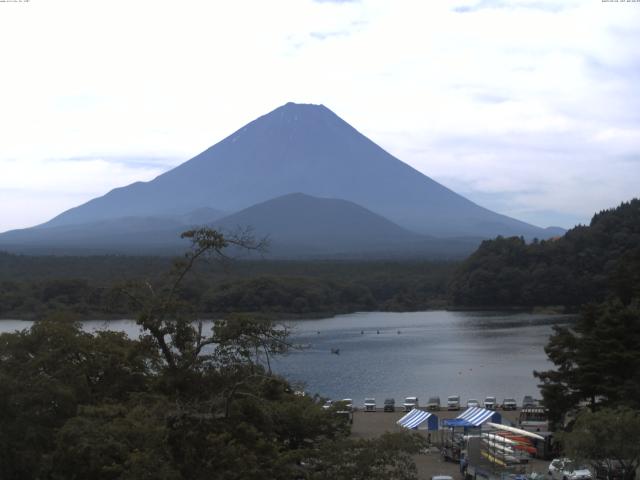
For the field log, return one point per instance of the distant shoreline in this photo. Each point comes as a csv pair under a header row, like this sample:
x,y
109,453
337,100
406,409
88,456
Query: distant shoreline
x,y
291,316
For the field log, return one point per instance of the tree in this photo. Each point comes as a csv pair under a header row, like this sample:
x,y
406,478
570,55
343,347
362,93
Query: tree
x,y
177,403
597,360
116,441
167,320
586,264
609,439
46,373
387,457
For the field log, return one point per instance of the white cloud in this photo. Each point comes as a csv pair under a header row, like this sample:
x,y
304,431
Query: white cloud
x,y
495,99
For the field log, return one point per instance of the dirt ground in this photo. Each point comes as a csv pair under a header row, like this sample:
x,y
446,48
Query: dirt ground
x,y
374,424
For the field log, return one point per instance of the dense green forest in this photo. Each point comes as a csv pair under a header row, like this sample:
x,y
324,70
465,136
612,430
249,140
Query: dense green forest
x,y
177,403
31,287
586,265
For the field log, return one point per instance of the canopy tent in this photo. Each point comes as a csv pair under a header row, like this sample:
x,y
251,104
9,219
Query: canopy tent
x,y
419,419
473,417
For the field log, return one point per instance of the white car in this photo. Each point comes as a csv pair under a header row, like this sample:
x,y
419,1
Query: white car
x,y
565,469
348,404
453,402
369,404
490,403
327,405
472,402
433,403
410,403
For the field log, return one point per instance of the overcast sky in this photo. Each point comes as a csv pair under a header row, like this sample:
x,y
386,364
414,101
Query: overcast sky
x,y
530,108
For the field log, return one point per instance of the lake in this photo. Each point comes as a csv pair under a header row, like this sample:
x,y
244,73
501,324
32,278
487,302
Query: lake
x,y
472,354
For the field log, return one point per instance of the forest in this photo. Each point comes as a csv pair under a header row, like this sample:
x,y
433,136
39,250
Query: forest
x,y
91,287
588,264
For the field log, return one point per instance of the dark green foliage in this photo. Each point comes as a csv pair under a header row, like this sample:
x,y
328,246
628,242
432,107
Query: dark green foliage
x,y
377,459
597,360
179,403
115,441
608,439
585,265
32,287
46,373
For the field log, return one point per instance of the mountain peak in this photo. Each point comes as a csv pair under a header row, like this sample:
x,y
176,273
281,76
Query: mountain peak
x,y
300,110
306,148
302,106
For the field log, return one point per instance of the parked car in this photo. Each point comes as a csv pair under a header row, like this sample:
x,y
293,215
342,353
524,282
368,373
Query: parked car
x,y
410,403
566,469
453,402
509,404
345,404
369,404
389,405
490,403
433,403
472,402
327,405
528,402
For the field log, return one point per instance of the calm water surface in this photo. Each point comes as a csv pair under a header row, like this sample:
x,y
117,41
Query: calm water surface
x,y
436,353
472,354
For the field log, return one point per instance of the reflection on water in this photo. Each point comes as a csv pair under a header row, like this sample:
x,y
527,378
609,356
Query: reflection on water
x,y
472,354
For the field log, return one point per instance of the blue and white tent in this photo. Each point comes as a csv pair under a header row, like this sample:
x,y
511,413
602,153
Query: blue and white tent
x,y
474,417
419,419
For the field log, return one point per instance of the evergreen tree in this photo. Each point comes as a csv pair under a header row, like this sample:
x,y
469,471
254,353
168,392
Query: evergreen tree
x,y
597,360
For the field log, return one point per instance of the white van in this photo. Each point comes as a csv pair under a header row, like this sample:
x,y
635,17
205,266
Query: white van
x,y
410,403
453,402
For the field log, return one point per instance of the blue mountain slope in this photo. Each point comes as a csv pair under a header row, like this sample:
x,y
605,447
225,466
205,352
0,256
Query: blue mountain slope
x,y
308,149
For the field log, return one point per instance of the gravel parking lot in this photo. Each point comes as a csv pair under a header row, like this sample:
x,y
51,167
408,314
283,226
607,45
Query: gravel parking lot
x,y
374,424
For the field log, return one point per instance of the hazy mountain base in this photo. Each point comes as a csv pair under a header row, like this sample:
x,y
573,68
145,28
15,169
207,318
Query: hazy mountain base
x,y
297,226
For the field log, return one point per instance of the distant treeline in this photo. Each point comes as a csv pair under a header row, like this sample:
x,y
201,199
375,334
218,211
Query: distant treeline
x,y
32,287
587,264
